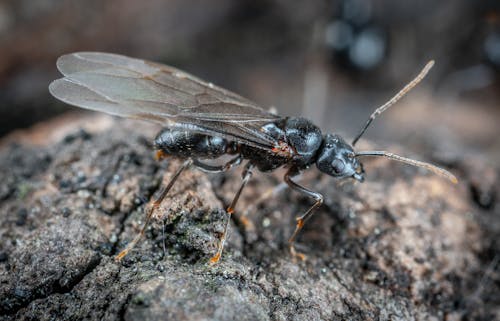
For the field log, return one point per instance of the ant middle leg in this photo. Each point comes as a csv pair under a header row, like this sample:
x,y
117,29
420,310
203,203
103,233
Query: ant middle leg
x,y
242,218
301,220
247,174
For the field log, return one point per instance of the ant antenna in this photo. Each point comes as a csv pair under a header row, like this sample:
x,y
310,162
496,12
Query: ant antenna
x,y
436,170
394,99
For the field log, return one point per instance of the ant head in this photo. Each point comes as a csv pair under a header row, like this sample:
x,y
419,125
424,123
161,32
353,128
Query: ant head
x,y
337,158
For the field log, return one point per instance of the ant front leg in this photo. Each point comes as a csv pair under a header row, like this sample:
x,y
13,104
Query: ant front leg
x,y
301,220
247,174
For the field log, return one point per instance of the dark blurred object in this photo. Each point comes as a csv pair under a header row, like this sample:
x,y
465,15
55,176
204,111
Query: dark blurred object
x,y
491,39
492,48
353,37
365,36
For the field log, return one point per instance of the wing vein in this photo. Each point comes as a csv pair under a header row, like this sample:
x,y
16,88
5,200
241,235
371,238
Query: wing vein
x,y
109,99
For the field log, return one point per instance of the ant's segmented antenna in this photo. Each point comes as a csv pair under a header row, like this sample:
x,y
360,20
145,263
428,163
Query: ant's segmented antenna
x,y
394,99
430,167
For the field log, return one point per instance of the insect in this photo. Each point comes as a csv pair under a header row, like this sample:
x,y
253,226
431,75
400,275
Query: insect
x,y
203,121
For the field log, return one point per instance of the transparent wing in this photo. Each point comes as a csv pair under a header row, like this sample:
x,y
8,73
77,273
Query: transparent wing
x,y
135,88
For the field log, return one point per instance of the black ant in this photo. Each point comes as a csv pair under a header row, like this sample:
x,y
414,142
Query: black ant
x,y
203,121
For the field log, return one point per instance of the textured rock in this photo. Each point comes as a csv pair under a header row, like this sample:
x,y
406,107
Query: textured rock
x,y
404,245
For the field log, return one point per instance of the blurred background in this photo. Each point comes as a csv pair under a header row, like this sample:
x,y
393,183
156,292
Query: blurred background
x,y
331,61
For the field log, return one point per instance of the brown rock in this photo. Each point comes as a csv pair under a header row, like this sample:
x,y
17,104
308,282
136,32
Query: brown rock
x,y
405,245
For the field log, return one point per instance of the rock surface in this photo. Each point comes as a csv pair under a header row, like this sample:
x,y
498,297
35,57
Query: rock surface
x,y
405,245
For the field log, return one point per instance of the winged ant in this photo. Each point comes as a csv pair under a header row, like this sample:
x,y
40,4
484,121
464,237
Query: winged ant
x,y
203,121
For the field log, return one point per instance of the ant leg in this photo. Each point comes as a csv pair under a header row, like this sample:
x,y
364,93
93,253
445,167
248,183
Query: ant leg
x,y
301,220
217,169
156,203
247,173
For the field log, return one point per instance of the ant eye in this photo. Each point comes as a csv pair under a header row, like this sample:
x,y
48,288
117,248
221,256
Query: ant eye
x,y
338,166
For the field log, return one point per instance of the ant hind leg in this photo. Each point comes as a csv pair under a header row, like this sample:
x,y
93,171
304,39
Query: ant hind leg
x,y
218,168
154,206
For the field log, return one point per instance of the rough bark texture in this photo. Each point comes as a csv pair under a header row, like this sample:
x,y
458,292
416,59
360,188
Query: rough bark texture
x,y
405,245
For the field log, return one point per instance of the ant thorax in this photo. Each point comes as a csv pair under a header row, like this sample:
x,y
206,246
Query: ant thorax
x,y
299,141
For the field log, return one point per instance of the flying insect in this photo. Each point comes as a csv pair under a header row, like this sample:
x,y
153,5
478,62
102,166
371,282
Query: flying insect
x,y
202,121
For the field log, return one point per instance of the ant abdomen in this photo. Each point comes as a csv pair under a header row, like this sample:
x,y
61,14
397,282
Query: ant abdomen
x,y
185,143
